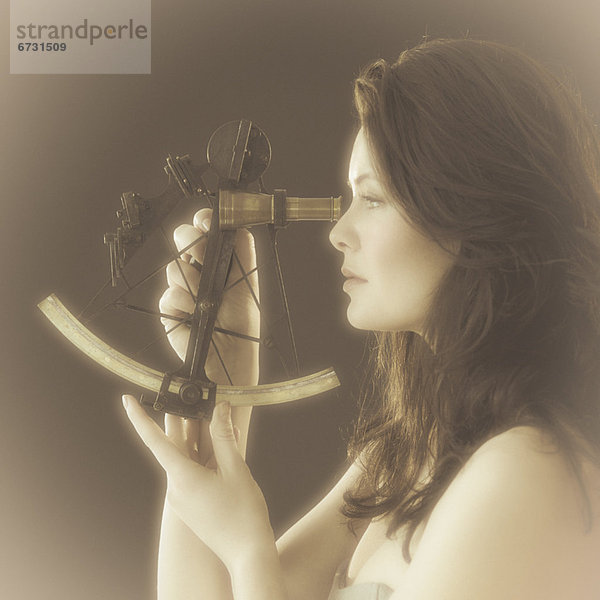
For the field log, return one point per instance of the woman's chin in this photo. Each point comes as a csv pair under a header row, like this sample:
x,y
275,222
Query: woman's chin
x,y
360,320
373,320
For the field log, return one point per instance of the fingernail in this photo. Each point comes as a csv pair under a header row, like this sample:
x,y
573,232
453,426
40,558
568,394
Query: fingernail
x,y
125,401
205,225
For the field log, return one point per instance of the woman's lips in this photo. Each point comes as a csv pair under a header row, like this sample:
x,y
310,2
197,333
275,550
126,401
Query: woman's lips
x,y
352,280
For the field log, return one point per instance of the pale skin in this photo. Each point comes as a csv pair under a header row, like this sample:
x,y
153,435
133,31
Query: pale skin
x,y
510,525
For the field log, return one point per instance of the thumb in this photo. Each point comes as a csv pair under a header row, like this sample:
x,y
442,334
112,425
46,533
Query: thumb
x,y
223,437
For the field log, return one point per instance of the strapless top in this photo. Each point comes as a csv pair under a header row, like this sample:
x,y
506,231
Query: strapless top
x,y
358,591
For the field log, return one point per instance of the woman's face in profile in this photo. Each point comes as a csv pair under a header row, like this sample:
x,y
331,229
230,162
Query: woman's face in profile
x,y
391,269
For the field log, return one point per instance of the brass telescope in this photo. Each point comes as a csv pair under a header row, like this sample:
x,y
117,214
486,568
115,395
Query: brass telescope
x,y
245,209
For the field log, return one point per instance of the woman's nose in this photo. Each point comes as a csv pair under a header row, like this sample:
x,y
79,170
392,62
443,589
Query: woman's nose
x,y
339,236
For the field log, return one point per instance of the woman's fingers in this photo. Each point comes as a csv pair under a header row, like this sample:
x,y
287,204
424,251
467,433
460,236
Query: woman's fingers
x,y
205,450
224,441
183,275
166,452
175,460
244,243
245,250
178,303
192,437
192,240
185,433
202,219
193,237
174,428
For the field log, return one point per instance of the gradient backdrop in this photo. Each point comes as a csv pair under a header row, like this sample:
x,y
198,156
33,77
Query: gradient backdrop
x,y
80,499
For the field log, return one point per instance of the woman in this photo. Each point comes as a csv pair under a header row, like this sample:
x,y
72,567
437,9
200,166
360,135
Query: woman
x,y
472,250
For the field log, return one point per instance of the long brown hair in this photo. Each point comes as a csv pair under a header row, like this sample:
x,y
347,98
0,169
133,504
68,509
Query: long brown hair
x,y
482,145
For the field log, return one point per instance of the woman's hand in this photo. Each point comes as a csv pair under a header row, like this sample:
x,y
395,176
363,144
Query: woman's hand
x,y
238,312
221,503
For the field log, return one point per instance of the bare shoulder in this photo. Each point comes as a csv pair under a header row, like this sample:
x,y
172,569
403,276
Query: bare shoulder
x,y
511,524
525,466
530,454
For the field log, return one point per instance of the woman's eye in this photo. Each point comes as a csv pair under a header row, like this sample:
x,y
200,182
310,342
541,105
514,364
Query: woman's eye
x,y
368,201
371,202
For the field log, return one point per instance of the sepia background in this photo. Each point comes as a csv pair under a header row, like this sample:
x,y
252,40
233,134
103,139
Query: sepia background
x,y
80,498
